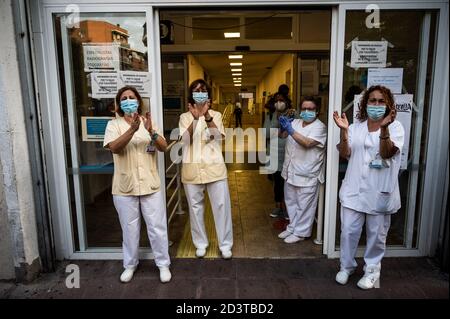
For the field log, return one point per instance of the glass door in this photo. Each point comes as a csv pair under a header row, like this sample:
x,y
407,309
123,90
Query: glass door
x,y
397,51
96,56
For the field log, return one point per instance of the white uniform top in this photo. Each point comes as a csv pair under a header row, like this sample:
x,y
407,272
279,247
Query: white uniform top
x,y
366,189
203,161
135,168
302,166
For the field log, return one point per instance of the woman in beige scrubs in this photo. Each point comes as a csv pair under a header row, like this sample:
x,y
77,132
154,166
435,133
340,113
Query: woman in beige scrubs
x,y
204,169
133,139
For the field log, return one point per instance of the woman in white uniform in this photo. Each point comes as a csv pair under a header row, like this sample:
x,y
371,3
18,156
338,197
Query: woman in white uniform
x,y
302,169
133,140
370,191
203,169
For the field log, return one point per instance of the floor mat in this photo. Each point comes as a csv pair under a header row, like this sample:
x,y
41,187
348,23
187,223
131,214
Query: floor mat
x,y
186,249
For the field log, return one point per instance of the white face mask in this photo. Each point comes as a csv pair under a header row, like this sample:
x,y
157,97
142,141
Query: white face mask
x,y
280,106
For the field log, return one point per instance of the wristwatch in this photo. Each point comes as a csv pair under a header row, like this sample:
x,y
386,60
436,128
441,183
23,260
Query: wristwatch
x,y
210,119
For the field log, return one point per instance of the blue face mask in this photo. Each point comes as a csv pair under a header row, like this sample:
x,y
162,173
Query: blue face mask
x,y
307,115
200,97
376,112
129,106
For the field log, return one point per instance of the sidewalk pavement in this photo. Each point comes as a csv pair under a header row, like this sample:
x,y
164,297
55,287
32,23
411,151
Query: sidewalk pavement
x,y
237,278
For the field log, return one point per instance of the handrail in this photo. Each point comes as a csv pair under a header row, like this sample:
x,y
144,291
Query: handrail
x,y
226,115
177,193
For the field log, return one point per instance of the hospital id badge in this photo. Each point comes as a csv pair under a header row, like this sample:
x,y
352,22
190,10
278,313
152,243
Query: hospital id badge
x,y
150,148
379,163
376,163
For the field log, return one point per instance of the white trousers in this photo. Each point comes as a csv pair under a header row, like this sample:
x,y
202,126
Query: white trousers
x,y
377,227
219,196
301,204
152,208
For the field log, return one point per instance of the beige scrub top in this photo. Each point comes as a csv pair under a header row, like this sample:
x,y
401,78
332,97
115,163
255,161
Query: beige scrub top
x,y
202,159
135,170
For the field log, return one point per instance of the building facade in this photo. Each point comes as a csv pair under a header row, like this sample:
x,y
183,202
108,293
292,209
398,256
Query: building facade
x,y
62,61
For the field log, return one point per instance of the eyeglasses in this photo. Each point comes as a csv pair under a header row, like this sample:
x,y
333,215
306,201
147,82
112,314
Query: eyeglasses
x,y
373,101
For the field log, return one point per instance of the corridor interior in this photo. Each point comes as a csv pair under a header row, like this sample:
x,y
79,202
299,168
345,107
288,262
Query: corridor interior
x,y
255,232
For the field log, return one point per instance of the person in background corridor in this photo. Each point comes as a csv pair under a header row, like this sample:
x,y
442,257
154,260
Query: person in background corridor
x,y
303,169
204,168
238,114
133,139
370,191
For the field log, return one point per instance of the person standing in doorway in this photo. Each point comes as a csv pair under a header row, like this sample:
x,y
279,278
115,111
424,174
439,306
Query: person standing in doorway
x,y
282,108
134,139
238,114
302,169
370,191
203,169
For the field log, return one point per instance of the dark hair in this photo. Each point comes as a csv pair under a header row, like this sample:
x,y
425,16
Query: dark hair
x,y
194,85
283,89
313,100
119,94
388,97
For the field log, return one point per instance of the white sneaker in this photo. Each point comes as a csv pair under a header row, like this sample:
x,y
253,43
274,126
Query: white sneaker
x,y
342,276
200,252
293,239
371,278
227,254
164,274
127,274
284,234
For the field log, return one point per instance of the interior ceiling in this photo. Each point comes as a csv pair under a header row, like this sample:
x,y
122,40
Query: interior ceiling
x,y
254,67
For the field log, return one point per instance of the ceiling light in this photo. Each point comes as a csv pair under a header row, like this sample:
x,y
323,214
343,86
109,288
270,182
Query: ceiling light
x,y
236,70
232,34
235,56
236,74
235,63
236,84
237,79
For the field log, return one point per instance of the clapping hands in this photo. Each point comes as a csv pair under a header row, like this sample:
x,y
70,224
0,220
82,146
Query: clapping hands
x,y
286,124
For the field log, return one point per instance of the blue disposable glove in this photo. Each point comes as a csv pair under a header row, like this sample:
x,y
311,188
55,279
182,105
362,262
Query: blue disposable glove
x,y
286,124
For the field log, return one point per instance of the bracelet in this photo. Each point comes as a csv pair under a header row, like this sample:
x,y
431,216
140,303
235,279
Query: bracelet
x,y
210,120
154,135
384,137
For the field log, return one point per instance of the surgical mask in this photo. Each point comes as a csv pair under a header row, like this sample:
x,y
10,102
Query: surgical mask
x,y
280,106
129,106
200,97
308,116
376,112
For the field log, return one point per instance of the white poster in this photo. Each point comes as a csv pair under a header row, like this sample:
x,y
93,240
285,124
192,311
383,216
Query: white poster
x,y
404,107
104,85
392,78
140,80
368,54
101,57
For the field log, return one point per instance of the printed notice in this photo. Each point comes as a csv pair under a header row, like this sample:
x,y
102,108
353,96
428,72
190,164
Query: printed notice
x,y
104,85
392,78
93,128
140,80
404,107
101,57
368,54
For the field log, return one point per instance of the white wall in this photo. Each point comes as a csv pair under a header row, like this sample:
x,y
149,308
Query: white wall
x,y
18,202
195,69
276,76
